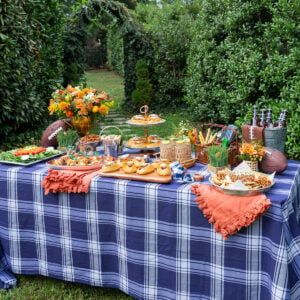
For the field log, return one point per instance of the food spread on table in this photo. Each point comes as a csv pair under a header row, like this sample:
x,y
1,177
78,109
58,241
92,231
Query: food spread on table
x,y
165,159
76,160
152,141
146,119
91,138
138,168
146,142
251,180
28,155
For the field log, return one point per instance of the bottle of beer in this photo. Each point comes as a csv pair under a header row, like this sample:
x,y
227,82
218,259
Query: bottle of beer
x,y
262,118
282,119
269,121
255,117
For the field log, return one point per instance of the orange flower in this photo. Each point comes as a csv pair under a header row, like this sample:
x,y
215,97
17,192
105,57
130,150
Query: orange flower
x,y
70,89
103,110
102,96
69,114
83,112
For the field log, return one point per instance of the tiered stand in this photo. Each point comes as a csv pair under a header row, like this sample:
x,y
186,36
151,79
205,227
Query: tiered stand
x,y
144,111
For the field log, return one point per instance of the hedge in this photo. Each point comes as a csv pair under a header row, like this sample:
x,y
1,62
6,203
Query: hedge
x,y
169,30
246,52
30,62
115,50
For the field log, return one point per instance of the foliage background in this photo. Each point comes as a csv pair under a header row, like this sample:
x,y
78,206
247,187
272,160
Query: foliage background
x,y
215,58
31,45
115,50
244,53
169,30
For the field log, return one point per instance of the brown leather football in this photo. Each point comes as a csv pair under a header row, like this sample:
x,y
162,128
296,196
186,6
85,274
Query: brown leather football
x,y
251,133
49,136
273,161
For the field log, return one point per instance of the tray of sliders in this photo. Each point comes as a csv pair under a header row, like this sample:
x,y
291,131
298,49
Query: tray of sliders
x,y
242,183
151,142
76,162
146,120
137,168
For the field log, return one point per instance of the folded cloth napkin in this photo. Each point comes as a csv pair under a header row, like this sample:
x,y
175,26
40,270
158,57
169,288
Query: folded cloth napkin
x,y
68,181
229,213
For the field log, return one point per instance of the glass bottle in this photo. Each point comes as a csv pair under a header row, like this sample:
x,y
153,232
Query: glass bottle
x,y
269,121
262,122
255,117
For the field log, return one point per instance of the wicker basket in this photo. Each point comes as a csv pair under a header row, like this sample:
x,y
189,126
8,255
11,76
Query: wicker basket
x,y
167,150
233,151
252,164
183,151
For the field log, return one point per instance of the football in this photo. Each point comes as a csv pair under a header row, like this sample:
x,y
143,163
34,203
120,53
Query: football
x,y
49,136
273,161
251,133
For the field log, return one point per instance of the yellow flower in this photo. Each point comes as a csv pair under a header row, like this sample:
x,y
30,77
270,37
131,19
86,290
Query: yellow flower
x,y
110,104
95,109
63,106
52,108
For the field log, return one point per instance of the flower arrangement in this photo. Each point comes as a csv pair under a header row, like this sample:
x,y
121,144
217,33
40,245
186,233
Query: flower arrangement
x,y
252,151
79,102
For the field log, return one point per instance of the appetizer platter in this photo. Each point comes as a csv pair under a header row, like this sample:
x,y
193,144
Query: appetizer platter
x,y
137,169
76,162
149,142
146,120
146,142
241,183
89,142
29,155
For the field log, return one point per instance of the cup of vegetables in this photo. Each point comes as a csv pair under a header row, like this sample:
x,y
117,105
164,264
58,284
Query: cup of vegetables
x,y
67,139
218,158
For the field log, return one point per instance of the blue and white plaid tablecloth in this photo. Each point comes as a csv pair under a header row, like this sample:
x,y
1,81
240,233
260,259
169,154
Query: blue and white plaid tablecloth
x,y
150,241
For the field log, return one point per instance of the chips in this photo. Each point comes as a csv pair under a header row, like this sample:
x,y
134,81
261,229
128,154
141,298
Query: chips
x,y
252,180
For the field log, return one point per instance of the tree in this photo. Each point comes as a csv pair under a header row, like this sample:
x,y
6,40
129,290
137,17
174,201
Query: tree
x,y
143,93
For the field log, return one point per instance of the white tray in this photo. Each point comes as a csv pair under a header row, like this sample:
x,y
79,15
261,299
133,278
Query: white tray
x,y
30,163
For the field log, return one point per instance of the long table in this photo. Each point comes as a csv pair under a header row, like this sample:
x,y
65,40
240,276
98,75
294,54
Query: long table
x,y
149,240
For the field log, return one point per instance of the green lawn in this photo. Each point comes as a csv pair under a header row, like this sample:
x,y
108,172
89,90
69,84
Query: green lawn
x,y
41,288
107,81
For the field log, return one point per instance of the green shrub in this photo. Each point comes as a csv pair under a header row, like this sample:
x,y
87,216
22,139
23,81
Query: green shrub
x,y
143,92
30,62
169,29
243,53
115,51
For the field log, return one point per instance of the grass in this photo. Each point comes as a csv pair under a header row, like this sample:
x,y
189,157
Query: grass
x,y
107,81
41,288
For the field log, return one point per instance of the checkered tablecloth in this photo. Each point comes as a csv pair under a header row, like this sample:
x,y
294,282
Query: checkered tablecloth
x,y
150,241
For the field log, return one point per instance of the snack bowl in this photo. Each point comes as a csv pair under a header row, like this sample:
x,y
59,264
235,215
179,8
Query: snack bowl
x,y
242,192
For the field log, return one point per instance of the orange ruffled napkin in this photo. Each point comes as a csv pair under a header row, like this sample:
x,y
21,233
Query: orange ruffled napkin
x,y
229,213
68,181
